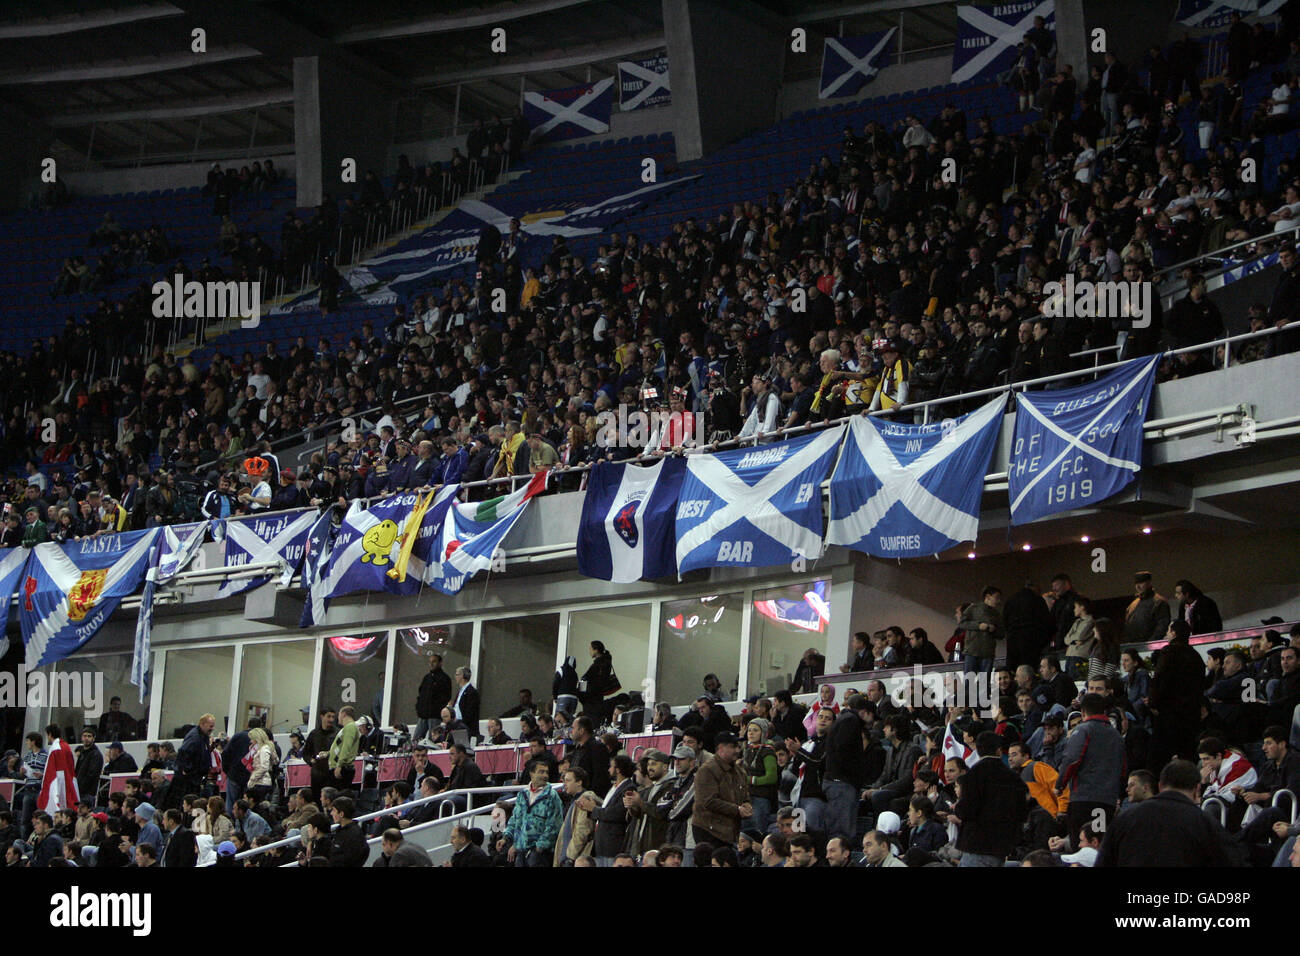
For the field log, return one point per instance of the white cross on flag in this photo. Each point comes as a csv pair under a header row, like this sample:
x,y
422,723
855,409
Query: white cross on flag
x,y
266,539
643,84
1076,447
567,114
987,37
905,491
850,63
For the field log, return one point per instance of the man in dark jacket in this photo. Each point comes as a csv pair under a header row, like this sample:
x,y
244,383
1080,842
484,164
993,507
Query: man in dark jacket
x,y
180,850
992,807
895,779
844,773
232,764
722,804
787,717
194,759
709,718
612,815
1197,609
434,694
1030,626
466,853
90,764
1093,767
1062,608
1147,617
1169,829
466,700
348,846
812,666
1175,698
590,754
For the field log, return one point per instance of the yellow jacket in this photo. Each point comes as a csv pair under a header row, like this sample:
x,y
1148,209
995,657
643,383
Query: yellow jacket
x,y
1040,778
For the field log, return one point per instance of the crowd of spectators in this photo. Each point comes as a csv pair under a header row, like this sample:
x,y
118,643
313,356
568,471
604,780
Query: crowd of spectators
x,y
1171,760
872,283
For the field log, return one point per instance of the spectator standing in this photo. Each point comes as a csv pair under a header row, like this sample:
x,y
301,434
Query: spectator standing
x,y
434,694
721,796
534,823
991,807
1093,768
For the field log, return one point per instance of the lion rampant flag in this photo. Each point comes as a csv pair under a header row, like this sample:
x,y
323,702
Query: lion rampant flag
x,y
71,589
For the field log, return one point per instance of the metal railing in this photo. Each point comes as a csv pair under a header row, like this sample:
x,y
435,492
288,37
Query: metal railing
x,y
405,808
1290,795
1271,240
1207,803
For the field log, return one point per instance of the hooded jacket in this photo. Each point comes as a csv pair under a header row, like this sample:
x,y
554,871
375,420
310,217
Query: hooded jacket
x,y
1094,763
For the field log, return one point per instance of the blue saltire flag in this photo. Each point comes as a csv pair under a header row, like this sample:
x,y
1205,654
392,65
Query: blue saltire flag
x,y
370,543
471,534
320,544
175,548
1076,447
12,562
71,589
643,84
988,37
904,491
755,507
627,527
850,63
1210,14
565,114
275,537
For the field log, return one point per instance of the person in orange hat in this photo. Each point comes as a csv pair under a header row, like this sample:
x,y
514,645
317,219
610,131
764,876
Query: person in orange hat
x,y
259,497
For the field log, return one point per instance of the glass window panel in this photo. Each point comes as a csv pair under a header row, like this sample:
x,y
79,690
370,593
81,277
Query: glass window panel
x,y
359,659
275,684
517,652
698,636
415,645
197,683
625,632
89,684
786,622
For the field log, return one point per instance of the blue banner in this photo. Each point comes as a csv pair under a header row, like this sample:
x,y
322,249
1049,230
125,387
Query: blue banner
x,y
570,113
627,530
643,84
315,562
69,590
368,553
275,537
1213,14
906,491
987,37
755,507
1076,447
850,63
472,533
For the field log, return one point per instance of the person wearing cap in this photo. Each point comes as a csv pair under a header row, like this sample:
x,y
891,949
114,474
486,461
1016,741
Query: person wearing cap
x,y
34,530
287,496
895,372
721,795
400,465
149,832
649,816
1147,616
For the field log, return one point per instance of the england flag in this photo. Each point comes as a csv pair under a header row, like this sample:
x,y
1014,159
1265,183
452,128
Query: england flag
x,y
755,507
906,491
626,532
276,538
850,63
59,783
70,590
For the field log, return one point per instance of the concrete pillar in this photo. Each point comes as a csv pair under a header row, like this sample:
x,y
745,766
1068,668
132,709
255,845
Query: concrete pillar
x,y
725,62
26,144
1072,39
337,115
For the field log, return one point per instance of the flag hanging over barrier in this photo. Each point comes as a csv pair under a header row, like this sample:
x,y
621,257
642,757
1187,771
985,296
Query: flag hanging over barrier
x,y
906,491
69,590
315,562
471,534
987,37
850,63
386,546
627,529
275,538
643,84
569,113
178,546
755,507
1076,447
1212,14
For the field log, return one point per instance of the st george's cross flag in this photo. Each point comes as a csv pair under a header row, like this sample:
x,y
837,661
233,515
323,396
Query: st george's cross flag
x,y
626,532
371,551
755,507
1075,447
471,534
274,538
988,36
850,63
59,782
907,491
69,590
